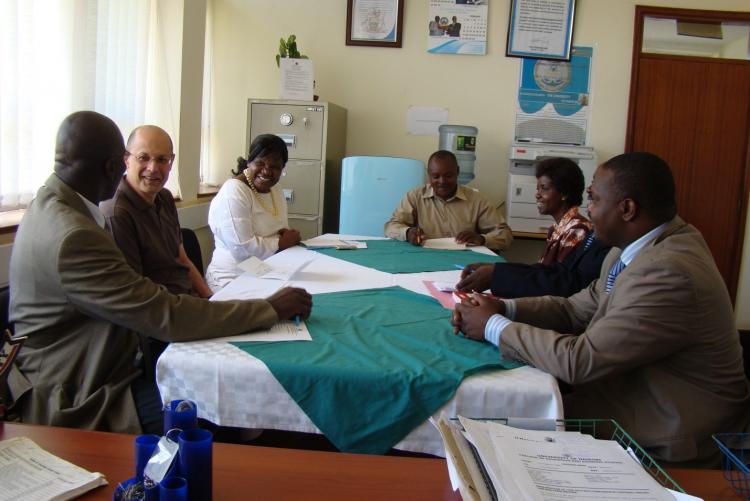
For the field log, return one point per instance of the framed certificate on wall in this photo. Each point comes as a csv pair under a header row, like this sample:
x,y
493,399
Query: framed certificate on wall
x,y
374,23
542,30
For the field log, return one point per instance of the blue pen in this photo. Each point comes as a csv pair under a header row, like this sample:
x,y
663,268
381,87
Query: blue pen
x,y
461,267
296,320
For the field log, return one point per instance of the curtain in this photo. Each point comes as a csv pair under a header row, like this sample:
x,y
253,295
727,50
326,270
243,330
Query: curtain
x,y
61,56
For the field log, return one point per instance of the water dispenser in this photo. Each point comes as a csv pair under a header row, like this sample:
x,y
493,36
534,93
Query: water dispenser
x,y
461,140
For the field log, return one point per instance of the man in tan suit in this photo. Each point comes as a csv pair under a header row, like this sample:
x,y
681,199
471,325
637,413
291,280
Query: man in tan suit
x,y
80,303
652,342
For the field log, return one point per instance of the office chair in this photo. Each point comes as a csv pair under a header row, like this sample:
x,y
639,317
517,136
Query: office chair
x,y
192,248
371,188
9,348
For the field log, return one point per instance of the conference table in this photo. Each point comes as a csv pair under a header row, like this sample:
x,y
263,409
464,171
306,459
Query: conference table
x,y
252,472
233,388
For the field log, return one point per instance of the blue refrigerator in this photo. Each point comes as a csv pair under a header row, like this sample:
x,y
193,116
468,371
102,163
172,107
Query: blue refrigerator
x,y
371,188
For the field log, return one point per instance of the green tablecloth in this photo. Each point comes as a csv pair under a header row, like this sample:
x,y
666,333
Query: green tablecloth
x,y
380,363
392,256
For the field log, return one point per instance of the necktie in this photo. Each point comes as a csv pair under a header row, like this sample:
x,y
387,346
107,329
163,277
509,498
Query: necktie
x,y
613,272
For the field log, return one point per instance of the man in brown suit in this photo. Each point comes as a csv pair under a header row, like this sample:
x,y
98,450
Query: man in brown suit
x,y
80,303
651,343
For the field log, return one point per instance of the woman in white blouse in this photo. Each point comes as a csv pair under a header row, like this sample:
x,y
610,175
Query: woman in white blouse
x,y
249,216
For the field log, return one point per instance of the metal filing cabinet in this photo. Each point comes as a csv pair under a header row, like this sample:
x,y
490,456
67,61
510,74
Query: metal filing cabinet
x,y
315,134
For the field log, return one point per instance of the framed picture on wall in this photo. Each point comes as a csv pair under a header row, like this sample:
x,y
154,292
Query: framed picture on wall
x,y
542,30
374,23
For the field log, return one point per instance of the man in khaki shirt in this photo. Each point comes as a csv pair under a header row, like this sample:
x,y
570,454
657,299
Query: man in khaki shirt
x,y
442,208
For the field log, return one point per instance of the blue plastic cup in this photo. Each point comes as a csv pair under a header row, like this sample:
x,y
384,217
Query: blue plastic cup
x,y
144,448
173,489
196,462
185,418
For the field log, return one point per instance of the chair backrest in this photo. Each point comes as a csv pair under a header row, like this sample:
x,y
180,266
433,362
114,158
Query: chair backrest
x,y
4,308
745,342
371,188
192,248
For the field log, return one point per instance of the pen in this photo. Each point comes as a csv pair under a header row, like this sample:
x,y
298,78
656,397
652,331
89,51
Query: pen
x,y
415,218
296,320
461,267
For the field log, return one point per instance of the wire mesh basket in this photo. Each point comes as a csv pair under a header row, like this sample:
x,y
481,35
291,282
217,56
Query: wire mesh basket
x,y
735,448
604,429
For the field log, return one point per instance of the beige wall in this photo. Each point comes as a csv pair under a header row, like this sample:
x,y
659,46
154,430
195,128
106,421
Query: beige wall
x,y
377,85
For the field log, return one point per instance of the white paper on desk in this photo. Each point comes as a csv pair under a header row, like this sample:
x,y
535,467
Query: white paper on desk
x,y
333,243
563,465
285,330
261,269
29,472
448,243
296,79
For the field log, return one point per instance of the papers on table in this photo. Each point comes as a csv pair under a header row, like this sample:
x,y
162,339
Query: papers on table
x,y
437,290
27,471
262,269
285,330
511,464
333,243
448,243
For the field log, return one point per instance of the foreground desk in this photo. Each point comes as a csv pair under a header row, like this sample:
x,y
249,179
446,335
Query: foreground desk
x,y
250,472
235,389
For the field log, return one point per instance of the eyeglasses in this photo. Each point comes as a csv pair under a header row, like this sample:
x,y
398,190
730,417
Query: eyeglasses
x,y
144,159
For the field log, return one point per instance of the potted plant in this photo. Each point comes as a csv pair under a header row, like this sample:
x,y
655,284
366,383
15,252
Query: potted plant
x,y
288,48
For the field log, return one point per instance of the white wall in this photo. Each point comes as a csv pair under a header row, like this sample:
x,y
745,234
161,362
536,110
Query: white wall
x,y
377,85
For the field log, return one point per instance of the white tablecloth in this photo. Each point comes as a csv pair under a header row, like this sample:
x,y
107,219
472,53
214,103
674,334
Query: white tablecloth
x,y
233,388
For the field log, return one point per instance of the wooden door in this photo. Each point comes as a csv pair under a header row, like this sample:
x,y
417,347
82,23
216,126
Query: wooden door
x,y
694,112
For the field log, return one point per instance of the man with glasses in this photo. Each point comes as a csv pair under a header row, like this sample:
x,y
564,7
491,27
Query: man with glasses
x,y
75,297
143,218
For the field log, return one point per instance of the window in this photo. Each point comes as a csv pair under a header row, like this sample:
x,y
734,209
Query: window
x,y
57,57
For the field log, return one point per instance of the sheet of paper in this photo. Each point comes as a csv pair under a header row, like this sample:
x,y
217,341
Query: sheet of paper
x,y
285,330
448,243
444,286
29,472
333,243
562,465
444,298
424,121
247,286
254,266
261,269
296,79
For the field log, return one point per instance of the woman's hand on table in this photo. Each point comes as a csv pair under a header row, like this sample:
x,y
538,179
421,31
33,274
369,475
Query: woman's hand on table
x,y
291,301
288,238
476,277
471,315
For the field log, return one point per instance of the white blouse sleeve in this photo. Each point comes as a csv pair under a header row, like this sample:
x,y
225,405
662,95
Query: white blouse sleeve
x,y
231,220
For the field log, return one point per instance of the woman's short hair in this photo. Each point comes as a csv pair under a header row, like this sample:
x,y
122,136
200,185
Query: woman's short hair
x,y
264,145
566,177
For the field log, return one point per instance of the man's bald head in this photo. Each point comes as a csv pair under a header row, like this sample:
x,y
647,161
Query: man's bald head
x,y
89,154
149,160
149,131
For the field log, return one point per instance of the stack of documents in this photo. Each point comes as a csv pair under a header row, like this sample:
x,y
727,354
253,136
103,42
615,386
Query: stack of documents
x,y
29,472
488,460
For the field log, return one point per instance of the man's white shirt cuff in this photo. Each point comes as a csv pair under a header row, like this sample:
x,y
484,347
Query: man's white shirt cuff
x,y
496,323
